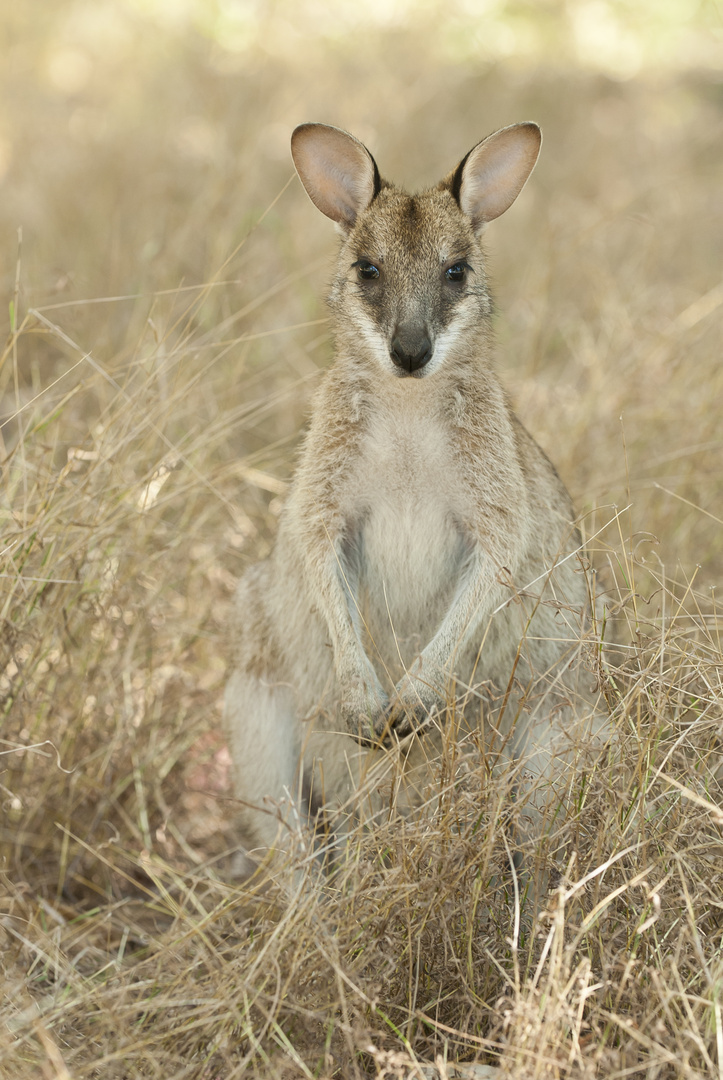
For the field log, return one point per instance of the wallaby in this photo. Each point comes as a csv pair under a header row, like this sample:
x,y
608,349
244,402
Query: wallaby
x,y
427,562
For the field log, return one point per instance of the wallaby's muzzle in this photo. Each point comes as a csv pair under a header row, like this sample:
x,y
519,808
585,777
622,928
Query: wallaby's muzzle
x,y
411,348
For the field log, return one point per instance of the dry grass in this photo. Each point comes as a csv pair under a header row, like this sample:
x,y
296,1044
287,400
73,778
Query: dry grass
x,y
147,440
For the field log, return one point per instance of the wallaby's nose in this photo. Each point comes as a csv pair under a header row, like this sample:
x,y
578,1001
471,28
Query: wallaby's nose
x,y
411,348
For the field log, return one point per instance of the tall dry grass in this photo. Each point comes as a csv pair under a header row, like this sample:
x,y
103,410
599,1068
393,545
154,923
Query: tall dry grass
x,y
165,332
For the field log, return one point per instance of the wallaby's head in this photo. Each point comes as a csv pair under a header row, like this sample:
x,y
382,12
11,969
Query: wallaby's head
x,y
410,290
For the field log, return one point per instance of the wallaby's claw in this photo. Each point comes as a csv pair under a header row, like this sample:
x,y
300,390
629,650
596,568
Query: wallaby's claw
x,y
406,718
415,703
366,734
395,722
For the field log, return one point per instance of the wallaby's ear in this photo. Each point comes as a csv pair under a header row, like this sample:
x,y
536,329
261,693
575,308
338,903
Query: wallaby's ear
x,y
340,175
489,179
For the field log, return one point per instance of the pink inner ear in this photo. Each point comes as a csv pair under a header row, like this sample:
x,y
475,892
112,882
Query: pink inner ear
x,y
496,171
336,170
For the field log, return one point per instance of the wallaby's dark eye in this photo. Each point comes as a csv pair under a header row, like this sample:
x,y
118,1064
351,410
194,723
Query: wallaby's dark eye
x,y
457,272
367,271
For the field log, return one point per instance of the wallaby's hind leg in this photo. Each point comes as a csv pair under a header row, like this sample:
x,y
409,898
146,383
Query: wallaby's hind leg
x,y
290,775
555,738
263,734
336,788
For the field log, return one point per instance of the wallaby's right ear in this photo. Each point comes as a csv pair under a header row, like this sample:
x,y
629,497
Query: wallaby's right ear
x,y
488,180
340,175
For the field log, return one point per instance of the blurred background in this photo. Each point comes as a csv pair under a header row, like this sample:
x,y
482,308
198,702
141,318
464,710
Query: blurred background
x,y
163,273
144,149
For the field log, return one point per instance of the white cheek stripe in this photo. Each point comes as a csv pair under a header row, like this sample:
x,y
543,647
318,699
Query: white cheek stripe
x,y
444,346
376,343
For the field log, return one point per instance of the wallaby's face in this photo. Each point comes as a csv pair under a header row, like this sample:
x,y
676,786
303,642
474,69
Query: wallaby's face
x,y
410,290
411,280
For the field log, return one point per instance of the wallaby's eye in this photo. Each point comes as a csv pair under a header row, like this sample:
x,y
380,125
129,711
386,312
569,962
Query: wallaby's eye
x,y
366,271
457,272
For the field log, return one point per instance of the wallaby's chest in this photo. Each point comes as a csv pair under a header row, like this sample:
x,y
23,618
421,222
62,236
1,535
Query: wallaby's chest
x,y
406,466
408,506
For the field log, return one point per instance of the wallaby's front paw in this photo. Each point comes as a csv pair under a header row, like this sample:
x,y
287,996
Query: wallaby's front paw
x,y
415,704
362,709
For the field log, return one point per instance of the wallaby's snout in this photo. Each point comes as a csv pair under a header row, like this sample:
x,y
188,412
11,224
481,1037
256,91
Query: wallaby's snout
x,y
411,348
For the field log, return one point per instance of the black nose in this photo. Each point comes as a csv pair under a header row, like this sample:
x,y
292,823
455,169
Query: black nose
x,y
411,348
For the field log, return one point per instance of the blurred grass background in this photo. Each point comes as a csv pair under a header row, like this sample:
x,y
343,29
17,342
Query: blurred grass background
x,y
141,142
162,276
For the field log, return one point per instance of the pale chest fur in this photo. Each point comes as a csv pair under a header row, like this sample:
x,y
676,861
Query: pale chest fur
x,y
407,512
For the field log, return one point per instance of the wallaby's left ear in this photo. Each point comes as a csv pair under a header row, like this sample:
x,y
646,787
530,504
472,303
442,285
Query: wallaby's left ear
x,y
488,180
